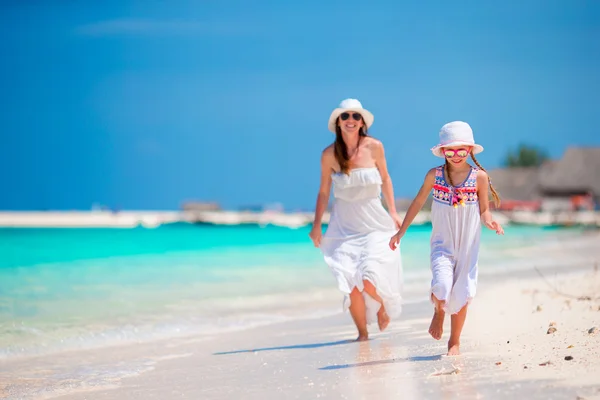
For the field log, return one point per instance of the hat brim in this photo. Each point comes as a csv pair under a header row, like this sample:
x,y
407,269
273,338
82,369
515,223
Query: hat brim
x,y
437,150
367,117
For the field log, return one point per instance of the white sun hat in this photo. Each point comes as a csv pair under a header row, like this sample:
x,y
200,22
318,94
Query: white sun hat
x,y
456,133
351,105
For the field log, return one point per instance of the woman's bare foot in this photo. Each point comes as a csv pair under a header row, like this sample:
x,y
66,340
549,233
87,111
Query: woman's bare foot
x,y
453,348
383,319
362,337
436,329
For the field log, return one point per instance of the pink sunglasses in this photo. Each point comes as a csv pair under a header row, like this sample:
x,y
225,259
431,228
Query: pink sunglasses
x,y
462,153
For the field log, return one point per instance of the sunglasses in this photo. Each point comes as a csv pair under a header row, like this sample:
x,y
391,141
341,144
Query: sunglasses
x,y
344,116
462,153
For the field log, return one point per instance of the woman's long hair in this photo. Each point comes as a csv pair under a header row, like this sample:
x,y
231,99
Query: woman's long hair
x,y
341,150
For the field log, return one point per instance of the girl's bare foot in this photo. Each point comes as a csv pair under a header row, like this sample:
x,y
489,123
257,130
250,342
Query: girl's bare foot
x,y
453,347
436,329
383,319
458,321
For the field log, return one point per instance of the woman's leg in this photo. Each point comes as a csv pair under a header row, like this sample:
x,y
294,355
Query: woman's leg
x,y
359,314
383,318
457,323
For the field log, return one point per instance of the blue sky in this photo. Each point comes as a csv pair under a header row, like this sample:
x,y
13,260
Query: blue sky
x,y
145,104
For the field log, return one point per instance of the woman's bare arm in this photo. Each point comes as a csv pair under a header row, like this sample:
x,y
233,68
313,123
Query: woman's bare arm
x,y
327,159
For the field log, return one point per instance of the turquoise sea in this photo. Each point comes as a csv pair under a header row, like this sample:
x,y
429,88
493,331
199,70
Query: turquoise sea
x,y
81,288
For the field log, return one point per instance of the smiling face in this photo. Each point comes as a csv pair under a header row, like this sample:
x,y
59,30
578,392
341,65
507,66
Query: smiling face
x,y
350,122
457,155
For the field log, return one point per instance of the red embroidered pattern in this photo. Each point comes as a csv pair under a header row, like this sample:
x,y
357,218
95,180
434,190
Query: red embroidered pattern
x,y
466,193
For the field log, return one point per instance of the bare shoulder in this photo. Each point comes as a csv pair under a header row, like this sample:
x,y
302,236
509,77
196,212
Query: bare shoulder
x,y
482,175
328,157
431,174
428,182
375,146
373,143
328,151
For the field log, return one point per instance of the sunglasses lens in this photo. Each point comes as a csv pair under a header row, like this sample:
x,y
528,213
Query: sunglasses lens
x,y
462,153
344,116
449,153
356,116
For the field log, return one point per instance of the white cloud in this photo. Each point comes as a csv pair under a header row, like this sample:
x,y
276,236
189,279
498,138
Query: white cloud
x,y
137,27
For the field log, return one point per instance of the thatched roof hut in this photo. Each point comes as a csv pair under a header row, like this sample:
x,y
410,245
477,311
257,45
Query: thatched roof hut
x,y
518,183
576,173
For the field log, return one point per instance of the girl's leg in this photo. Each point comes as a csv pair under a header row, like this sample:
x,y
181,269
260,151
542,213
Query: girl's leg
x,y
359,314
383,318
442,269
457,323
436,329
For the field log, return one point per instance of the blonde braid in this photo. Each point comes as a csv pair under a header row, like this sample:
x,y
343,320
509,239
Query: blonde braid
x,y
495,195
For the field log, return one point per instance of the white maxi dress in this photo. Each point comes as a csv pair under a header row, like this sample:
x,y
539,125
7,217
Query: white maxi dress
x,y
456,230
356,243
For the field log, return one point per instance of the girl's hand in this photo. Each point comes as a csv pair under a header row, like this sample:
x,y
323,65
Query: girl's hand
x,y
397,220
493,225
316,234
395,240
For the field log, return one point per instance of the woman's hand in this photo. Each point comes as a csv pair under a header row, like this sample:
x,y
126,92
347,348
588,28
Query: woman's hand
x,y
397,220
316,233
395,240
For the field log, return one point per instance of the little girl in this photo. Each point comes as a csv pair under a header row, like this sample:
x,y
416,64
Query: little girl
x,y
460,194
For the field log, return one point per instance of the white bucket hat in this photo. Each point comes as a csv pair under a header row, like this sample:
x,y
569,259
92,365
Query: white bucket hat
x,y
456,133
350,105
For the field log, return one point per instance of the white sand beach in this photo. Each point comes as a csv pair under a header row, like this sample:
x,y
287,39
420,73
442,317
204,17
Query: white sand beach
x,y
507,351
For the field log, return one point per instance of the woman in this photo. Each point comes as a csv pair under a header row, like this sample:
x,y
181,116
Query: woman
x,y
355,245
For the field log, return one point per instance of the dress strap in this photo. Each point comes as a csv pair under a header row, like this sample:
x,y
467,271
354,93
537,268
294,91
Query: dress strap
x,y
474,171
439,173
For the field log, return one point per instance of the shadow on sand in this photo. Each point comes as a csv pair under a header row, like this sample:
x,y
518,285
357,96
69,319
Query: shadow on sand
x,y
379,362
294,347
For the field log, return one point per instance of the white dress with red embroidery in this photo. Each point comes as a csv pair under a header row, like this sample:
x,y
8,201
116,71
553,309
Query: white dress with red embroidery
x,y
356,243
455,238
